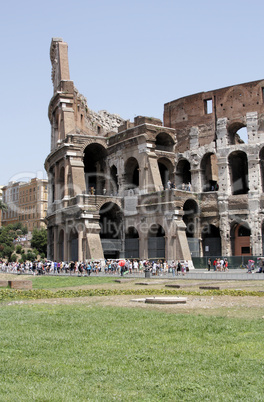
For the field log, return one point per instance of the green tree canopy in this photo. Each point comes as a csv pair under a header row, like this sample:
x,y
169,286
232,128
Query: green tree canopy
x,y
7,236
39,240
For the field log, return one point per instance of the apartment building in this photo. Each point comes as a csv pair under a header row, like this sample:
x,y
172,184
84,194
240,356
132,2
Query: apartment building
x,y
26,202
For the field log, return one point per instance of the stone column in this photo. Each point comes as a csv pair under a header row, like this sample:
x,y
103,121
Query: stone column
x,y
50,191
56,182
66,173
65,246
252,128
80,250
182,246
254,179
196,180
223,176
224,227
55,243
143,241
256,232
221,133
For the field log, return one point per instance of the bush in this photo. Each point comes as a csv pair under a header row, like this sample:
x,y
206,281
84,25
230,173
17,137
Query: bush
x,y
13,258
24,257
30,255
19,249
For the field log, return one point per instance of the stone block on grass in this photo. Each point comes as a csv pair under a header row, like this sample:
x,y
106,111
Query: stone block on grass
x,y
20,284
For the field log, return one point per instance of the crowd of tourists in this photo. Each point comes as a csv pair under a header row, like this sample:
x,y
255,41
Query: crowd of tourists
x,y
114,267
218,264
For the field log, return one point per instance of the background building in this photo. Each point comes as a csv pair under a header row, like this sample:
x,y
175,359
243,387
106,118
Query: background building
x,y
144,189
10,197
27,203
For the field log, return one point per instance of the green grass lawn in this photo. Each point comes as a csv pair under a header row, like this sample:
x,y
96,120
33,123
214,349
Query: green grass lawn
x,y
82,352
53,282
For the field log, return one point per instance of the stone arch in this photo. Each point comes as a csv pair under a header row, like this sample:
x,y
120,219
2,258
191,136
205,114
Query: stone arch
x,y
99,142
166,169
95,168
131,173
209,172
131,243
240,239
183,173
164,142
156,242
234,130
238,171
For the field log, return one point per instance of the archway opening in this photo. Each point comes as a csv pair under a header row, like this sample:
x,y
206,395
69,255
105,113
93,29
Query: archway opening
x,y
211,241
111,224
237,133
114,188
190,209
261,159
209,173
164,142
240,239
94,168
61,185
166,172
132,243
131,173
183,174
156,242
191,220
238,170
73,239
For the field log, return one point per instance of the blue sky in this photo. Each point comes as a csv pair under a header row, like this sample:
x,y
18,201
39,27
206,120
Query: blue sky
x,y
128,57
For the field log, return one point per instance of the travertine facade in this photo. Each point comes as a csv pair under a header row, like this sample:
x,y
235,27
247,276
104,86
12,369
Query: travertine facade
x,y
109,179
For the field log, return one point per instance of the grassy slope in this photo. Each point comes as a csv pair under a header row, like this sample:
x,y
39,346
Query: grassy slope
x,y
67,353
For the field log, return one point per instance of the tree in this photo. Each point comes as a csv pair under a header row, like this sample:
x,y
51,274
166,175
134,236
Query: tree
x,y
3,206
39,240
7,236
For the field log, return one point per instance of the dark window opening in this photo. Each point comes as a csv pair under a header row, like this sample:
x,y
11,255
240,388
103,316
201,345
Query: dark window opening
x,y
245,250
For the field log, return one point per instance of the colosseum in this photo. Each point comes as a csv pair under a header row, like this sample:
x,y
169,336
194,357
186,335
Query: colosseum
x,y
187,187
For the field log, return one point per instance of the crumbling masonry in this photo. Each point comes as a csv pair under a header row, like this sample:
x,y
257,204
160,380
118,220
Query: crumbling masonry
x,y
188,187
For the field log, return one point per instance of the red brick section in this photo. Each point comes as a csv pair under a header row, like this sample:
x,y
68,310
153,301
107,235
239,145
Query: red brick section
x,y
20,284
3,284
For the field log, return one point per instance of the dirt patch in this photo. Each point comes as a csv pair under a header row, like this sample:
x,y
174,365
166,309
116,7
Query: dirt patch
x,y
228,306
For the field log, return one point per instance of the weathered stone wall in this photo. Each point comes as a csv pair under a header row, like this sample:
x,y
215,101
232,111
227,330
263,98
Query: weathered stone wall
x,y
230,103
